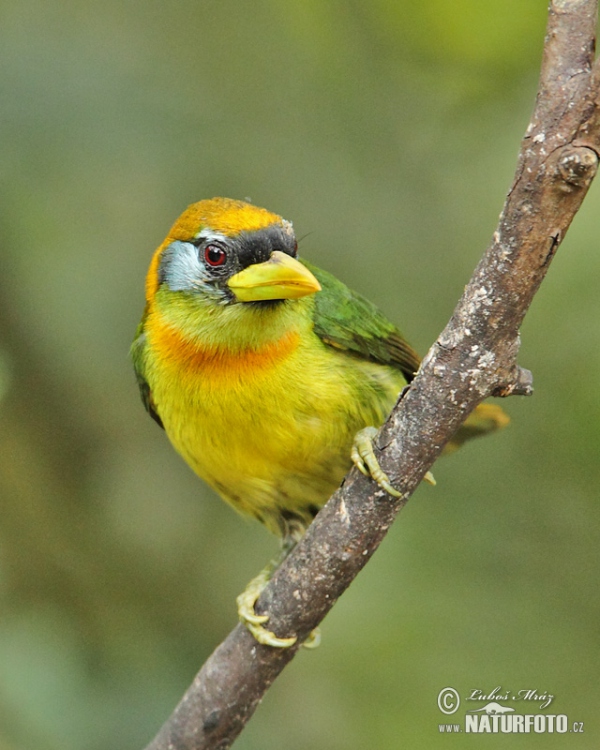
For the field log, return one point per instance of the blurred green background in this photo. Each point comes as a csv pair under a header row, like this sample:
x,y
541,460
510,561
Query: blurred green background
x,y
388,133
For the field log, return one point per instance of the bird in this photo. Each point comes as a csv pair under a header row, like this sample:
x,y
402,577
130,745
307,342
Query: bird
x,y
269,375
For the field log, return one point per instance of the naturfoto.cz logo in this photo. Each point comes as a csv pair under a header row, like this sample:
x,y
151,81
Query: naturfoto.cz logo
x,y
496,718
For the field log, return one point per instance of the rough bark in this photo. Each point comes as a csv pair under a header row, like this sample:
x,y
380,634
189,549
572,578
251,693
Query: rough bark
x,y
474,357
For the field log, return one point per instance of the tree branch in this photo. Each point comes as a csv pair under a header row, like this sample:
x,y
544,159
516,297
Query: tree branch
x,y
473,358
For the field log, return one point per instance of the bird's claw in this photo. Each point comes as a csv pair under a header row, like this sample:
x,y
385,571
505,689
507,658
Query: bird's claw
x,y
430,479
313,639
253,621
363,457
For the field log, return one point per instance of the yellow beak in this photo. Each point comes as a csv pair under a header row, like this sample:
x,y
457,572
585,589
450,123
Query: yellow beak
x,y
280,277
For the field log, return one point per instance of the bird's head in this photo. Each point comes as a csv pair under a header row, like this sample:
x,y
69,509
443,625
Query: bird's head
x,y
223,252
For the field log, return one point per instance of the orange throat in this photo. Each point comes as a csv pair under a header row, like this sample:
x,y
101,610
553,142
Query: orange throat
x,y
175,350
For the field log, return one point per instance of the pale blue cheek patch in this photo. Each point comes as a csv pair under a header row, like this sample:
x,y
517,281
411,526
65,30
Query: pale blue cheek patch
x,y
180,268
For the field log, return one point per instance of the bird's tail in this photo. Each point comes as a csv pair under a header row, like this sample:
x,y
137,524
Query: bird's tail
x,y
482,420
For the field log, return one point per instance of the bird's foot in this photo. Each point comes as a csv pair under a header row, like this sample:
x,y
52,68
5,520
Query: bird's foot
x,y
254,622
363,457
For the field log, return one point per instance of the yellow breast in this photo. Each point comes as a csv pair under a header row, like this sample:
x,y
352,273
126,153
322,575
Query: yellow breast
x,y
269,427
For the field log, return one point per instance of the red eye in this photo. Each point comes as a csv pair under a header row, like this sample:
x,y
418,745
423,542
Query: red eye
x,y
214,255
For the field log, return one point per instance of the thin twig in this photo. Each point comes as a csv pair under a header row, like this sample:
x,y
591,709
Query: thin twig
x,y
473,358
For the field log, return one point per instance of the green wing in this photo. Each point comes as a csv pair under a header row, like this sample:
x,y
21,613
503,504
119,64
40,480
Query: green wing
x,y
138,349
345,320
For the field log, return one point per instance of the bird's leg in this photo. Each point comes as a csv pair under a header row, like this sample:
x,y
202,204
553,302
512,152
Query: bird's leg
x,y
248,598
365,460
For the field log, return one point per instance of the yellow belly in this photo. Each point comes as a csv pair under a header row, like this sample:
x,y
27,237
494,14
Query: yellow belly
x,y
270,431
